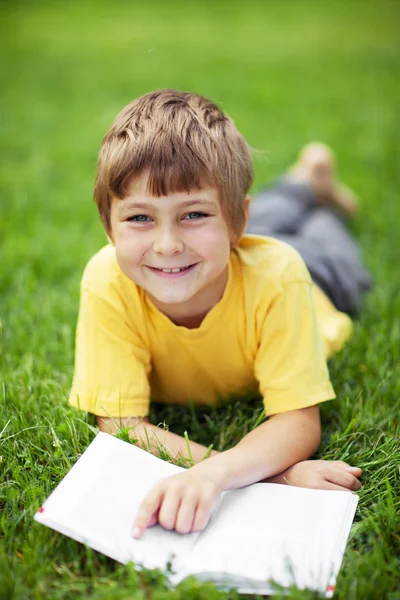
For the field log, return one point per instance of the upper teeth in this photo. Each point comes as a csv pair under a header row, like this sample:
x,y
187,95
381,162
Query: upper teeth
x,y
173,270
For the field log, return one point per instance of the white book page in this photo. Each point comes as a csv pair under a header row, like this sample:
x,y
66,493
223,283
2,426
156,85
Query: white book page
x,y
270,531
262,532
97,501
336,533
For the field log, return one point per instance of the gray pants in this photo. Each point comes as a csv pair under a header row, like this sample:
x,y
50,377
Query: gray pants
x,y
289,212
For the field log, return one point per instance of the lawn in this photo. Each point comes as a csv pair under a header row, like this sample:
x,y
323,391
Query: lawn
x,y
288,72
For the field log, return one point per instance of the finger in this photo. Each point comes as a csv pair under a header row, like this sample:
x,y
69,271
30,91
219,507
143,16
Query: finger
x,y
169,509
154,519
356,471
201,517
343,478
147,512
333,486
348,467
203,513
186,514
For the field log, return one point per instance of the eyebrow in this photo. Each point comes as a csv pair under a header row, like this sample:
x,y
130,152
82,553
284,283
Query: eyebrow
x,y
130,205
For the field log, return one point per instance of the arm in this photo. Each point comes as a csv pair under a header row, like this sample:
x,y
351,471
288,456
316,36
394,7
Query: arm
x,y
153,438
314,474
279,447
259,455
272,447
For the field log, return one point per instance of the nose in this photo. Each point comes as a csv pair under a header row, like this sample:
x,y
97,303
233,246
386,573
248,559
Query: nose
x,y
168,241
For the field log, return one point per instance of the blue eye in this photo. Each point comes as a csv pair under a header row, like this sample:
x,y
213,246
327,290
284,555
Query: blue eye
x,y
195,215
139,218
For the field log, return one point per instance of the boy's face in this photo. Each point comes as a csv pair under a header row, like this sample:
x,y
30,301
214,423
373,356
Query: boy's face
x,y
175,247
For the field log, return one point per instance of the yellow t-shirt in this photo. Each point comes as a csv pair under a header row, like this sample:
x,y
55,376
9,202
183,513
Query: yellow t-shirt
x,y
263,336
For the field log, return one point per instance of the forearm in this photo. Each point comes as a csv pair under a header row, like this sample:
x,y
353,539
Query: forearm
x,y
268,450
154,438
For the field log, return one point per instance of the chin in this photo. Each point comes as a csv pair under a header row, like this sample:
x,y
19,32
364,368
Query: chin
x,y
170,298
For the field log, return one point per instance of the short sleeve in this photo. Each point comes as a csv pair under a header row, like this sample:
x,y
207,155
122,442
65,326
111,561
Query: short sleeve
x,y
290,365
112,362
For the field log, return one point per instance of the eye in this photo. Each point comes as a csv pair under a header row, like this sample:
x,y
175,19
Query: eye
x,y
139,219
194,216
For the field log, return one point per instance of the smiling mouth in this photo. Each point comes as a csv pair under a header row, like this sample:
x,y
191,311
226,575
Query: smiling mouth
x,y
175,270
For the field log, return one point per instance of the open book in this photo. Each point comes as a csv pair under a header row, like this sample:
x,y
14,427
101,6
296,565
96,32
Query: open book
x,y
258,535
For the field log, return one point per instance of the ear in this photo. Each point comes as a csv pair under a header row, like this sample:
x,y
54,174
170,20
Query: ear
x,y
107,223
247,201
235,239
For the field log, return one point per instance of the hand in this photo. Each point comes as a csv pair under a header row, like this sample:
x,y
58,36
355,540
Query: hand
x,y
183,502
323,475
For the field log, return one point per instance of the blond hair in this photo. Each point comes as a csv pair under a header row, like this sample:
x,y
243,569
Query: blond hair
x,y
184,142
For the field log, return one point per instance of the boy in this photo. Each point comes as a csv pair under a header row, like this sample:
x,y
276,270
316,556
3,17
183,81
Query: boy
x,y
181,306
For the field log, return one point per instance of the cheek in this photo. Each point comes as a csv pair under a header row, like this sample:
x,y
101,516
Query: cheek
x,y
214,242
129,247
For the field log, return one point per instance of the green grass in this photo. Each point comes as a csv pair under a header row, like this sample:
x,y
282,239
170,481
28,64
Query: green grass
x,y
288,72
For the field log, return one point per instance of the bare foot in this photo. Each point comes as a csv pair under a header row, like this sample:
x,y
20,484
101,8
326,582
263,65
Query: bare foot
x,y
316,165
